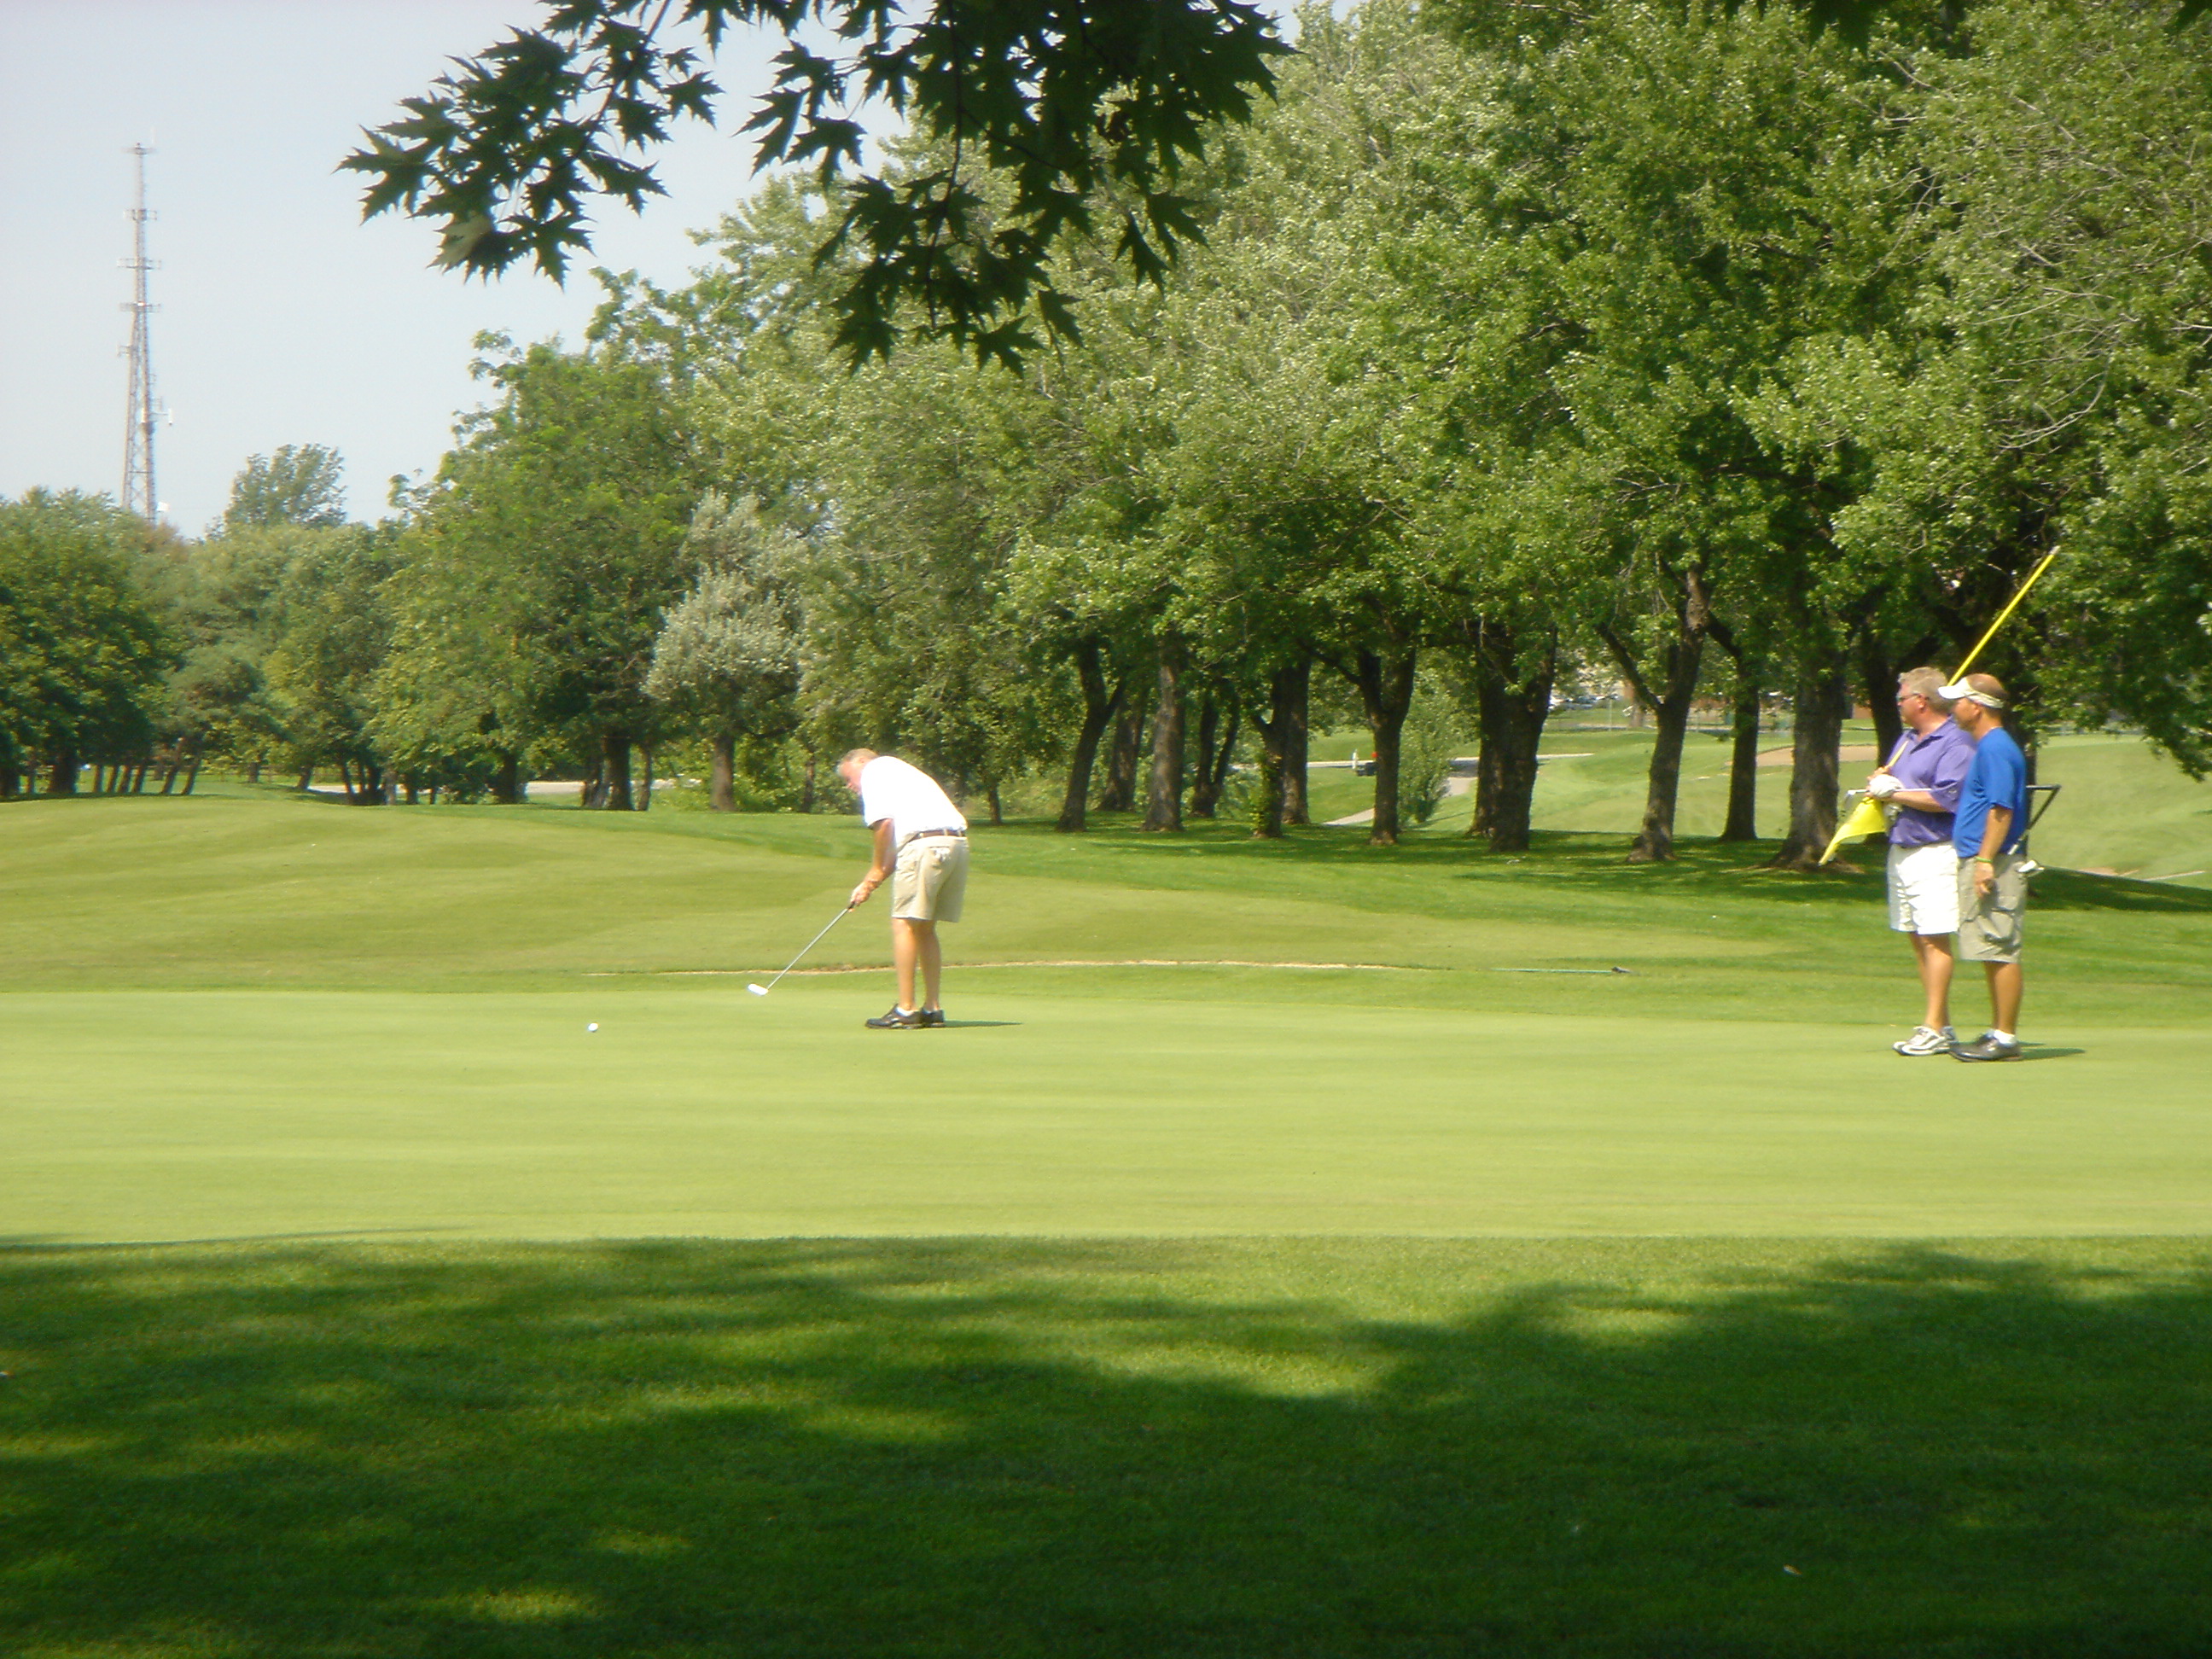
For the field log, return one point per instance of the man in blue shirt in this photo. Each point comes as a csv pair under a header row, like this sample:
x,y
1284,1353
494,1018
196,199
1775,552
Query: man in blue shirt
x,y
1921,779
1987,831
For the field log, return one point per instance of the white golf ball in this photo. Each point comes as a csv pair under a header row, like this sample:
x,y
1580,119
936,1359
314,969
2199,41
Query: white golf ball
x,y
592,1028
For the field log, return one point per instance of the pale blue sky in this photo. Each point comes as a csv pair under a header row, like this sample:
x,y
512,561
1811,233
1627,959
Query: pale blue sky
x,y
283,318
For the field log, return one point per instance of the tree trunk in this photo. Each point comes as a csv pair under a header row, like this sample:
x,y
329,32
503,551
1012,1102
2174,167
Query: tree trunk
x,y
645,797
991,795
614,771
192,776
806,788
1227,756
507,787
1205,791
1119,794
1512,707
307,779
1273,728
61,776
345,779
1294,713
252,772
1386,693
1163,788
1880,676
1823,698
1743,759
1667,699
1098,707
1267,805
722,773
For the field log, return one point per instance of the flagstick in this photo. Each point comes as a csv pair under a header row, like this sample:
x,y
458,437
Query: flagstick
x,y
1960,673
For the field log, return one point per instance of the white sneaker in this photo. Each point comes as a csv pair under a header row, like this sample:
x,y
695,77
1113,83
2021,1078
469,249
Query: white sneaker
x,y
1927,1040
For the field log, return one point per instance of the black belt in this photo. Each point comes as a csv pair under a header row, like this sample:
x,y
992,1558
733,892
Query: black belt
x,y
935,834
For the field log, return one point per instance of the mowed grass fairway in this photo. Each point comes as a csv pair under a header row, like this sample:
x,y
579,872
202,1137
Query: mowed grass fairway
x,y
1451,1293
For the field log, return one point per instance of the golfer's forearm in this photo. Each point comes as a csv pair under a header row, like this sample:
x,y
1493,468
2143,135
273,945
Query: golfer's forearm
x,y
1919,800
1994,832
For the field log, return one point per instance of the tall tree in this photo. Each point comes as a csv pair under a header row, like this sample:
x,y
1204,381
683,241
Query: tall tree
x,y
550,544
82,651
2052,390
727,656
332,630
300,485
1683,208
225,598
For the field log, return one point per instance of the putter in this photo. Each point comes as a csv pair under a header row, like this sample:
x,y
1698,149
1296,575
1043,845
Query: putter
x,y
762,990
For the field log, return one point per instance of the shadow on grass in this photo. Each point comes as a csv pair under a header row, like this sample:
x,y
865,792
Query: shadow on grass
x,y
2073,889
1585,860
1013,1448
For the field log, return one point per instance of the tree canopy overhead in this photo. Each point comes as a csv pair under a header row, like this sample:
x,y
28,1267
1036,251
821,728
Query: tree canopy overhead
x,y
1064,97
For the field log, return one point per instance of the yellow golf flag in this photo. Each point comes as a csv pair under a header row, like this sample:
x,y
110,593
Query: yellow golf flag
x,y
1866,818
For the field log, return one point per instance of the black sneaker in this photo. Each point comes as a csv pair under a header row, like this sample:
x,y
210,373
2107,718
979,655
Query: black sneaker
x,y
1988,1047
899,1020
932,1017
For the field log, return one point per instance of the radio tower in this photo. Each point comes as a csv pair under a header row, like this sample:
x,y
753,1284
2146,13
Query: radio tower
x,y
145,408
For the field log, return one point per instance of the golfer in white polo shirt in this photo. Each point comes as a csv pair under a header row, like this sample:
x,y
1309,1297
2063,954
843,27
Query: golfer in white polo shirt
x,y
921,848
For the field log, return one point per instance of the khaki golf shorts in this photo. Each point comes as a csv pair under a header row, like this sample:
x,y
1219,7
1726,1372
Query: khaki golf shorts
x,y
1989,928
929,879
1924,888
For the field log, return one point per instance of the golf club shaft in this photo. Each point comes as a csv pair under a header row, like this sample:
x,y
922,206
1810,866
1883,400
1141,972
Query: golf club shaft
x,y
804,948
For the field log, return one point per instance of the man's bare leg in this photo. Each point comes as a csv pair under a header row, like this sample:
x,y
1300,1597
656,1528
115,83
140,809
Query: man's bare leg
x,y
906,948
2004,995
932,962
1933,953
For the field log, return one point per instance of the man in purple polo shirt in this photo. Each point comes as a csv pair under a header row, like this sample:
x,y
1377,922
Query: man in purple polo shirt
x,y
1921,779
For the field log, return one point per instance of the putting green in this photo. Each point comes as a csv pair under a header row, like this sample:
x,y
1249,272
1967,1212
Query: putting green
x,y
1086,1102
346,1054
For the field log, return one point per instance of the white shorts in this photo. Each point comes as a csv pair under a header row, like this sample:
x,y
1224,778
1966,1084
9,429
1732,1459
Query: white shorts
x,y
1924,888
